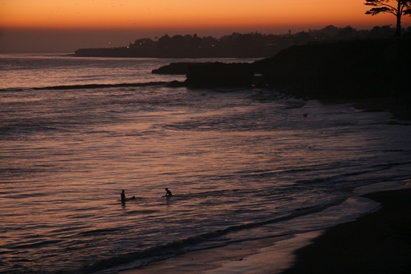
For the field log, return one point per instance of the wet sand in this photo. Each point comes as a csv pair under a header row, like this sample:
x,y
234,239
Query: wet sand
x,y
379,242
253,257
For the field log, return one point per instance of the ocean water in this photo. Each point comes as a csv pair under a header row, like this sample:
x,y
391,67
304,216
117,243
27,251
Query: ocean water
x,y
242,164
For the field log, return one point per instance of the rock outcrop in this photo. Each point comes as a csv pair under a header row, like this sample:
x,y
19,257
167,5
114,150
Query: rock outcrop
x,y
340,70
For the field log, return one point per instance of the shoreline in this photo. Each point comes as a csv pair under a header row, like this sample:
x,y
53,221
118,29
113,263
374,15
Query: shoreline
x,y
264,256
378,242
401,113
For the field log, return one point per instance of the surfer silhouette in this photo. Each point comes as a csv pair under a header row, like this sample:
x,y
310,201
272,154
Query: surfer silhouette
x,y
123,196
168,193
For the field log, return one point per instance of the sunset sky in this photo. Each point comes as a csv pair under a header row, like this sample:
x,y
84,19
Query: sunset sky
x,y
68,24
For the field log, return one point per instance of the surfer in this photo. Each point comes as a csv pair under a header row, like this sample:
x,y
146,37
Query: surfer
x,y
168,193
123,196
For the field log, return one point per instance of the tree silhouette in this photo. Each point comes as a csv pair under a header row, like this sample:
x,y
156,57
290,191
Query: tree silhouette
x,y
403,7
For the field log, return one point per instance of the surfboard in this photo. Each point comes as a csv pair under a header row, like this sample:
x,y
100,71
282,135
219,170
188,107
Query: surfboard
x,y
129,199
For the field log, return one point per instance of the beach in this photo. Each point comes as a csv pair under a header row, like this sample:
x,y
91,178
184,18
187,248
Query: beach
x,y
379,242
261,257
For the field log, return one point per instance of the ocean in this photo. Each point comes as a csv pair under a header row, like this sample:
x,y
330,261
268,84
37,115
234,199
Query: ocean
x,y
242,164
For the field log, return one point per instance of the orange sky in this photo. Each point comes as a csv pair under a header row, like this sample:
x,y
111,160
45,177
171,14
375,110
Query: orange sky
x,y
192,16
179,13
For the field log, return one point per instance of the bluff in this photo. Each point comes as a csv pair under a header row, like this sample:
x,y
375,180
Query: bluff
x,y
343,70
339,70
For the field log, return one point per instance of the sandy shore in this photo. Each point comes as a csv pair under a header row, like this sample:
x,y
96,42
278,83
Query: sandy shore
x,y
256,257
379,242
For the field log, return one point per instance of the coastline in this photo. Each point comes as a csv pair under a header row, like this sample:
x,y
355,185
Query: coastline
x,y
377,242
259,256
401,112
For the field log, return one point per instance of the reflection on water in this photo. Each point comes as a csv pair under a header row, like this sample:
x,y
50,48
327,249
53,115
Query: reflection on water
x,y
236,166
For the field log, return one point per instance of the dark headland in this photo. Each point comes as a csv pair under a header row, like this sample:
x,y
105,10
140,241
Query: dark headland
x,y
235,45
359,70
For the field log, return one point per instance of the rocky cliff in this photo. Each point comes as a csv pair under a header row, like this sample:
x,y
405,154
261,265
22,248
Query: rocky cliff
x,y
340,70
